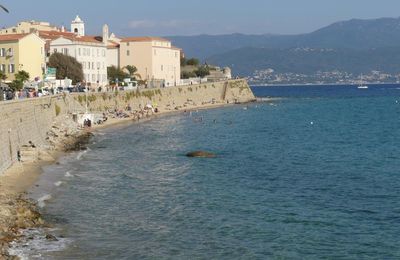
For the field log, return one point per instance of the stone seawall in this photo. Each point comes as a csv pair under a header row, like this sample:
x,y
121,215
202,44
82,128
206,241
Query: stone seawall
x,y
172,98
30,120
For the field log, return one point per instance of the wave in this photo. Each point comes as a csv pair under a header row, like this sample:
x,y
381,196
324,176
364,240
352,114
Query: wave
x,y
68,175
34,243
42,200
58,183
80,154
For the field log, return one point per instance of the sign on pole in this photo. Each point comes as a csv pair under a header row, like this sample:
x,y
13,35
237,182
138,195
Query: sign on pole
x,y
51,73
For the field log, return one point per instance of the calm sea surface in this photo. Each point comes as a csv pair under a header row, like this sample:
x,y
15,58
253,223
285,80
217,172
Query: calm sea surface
x,y
313,175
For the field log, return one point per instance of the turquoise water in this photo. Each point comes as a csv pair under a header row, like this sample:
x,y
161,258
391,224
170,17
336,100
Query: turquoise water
x,y
314,175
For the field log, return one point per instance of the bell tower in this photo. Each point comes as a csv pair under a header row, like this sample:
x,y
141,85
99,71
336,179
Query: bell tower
x,y
78,26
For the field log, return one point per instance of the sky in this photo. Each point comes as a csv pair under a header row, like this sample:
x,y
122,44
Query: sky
x,y
193,17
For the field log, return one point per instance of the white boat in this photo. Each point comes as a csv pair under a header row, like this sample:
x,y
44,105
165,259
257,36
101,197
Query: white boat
x,y
362,85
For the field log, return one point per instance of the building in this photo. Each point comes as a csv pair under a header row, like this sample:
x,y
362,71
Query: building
x,y
22,52
155,58
90,51
28,27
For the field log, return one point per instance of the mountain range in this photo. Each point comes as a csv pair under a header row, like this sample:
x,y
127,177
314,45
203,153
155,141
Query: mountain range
x,y
353,46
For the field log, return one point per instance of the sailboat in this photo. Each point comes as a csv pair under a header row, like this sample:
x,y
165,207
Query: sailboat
x,y
362,85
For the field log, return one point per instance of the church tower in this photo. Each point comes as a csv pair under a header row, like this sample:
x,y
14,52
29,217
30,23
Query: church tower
x,y
78,26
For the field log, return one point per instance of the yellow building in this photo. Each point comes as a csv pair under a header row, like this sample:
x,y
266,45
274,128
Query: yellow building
x,y
22,52
28,27
155,58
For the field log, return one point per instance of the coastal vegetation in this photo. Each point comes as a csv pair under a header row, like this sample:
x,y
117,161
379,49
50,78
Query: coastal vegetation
x,y
20,78
67,67
192,68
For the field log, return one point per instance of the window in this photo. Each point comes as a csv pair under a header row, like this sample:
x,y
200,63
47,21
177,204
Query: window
x,y
127,44
11,68
93,77
176,54
98,53
92,65
41,50
155,52
98,65
55,50
104,53
162,67
2,52
83,65
88,65
3,67
127,53
79,52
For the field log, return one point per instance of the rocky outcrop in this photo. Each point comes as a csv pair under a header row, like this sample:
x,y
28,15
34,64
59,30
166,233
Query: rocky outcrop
x,y
201,154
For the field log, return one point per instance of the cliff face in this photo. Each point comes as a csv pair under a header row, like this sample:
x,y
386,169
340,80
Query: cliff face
x,y
22,122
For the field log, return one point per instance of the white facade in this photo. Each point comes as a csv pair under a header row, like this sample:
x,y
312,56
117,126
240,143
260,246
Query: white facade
x,y
92,56
78,26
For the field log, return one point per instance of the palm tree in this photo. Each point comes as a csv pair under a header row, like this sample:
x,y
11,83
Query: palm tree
x,y
5,9
133,71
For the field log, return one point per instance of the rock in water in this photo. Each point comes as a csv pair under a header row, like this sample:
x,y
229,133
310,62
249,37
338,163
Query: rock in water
x,y
51,237
201,154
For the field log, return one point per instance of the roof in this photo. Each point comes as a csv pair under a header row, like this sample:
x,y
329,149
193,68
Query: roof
x,y
12,37
53,35
144,39
112,44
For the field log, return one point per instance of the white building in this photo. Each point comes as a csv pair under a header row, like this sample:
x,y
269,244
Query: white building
x,y
90,51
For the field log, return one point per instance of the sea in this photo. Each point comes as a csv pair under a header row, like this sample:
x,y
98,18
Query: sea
x,y
313,172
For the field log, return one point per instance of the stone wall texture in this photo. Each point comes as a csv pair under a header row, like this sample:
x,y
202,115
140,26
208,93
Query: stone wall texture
x,y
29,120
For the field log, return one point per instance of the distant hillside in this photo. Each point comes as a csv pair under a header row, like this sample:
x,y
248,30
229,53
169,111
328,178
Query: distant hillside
x,y
353,34
245,61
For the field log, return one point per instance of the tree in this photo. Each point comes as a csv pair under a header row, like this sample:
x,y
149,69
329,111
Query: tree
x,y
67,67
188,74
202,71
22,76
16,85
115,73
3,76
183,61
193,62
132,70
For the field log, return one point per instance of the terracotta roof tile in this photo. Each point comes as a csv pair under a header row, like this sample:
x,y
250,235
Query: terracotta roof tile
x,y
12,37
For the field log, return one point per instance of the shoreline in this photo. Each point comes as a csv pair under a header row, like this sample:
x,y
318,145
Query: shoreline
x,y
17,211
